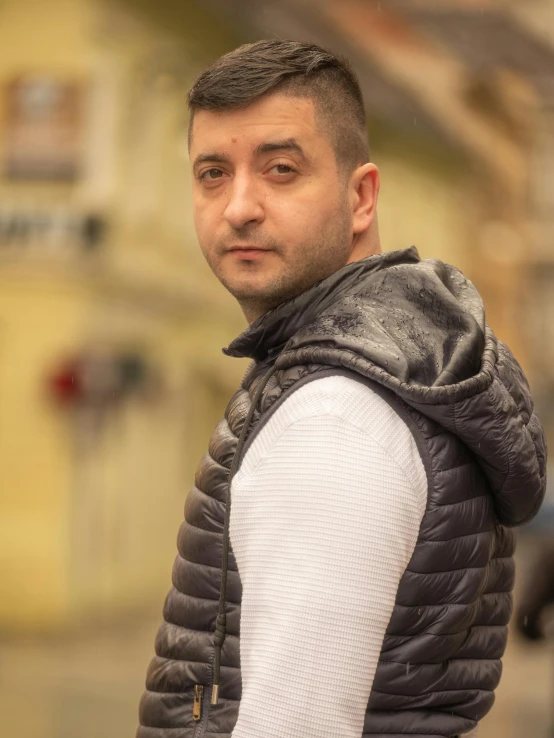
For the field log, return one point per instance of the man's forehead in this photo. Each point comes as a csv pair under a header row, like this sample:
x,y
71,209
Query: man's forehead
x,y
271,118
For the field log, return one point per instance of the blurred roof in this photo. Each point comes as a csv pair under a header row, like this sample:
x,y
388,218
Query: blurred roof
x,y
485,39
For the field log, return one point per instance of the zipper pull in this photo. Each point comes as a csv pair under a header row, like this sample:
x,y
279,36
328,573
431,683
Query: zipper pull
x,y
215,694
197,706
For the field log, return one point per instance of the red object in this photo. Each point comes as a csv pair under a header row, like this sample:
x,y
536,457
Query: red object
x,y
66,383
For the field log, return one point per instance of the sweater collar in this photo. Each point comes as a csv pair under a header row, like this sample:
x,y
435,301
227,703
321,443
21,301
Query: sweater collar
x,y
269,334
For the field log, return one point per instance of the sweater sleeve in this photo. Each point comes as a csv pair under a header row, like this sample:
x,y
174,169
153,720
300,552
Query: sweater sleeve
x,y
326,511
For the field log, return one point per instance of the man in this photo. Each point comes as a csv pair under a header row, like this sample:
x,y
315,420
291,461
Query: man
x,y
380,449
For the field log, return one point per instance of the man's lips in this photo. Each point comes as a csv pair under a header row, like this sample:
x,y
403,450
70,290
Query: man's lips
x,y
248,251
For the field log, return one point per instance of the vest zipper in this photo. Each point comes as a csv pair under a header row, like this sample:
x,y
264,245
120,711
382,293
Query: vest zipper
x,y
221,620
202,693
200,711
197,705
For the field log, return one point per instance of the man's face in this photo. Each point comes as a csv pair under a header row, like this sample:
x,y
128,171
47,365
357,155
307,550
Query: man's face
x,y
271,208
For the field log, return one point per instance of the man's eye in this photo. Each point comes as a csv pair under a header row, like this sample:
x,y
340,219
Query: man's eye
x,y
282,169
211,174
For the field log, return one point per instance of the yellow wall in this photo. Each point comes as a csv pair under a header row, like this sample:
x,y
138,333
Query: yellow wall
x,y
90,503
38,320
419,207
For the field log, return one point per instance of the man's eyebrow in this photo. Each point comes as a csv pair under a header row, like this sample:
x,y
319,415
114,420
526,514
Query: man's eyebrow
x,y
287,144
210,157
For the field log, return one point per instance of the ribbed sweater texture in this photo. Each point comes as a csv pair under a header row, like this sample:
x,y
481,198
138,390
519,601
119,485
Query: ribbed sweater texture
x,y
326,510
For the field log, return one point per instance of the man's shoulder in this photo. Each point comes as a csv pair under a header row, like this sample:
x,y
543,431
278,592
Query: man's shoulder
x,y
356,402
338,417
334,402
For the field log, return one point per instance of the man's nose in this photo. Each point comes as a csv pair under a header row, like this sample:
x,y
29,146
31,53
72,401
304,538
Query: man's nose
x,y
245,205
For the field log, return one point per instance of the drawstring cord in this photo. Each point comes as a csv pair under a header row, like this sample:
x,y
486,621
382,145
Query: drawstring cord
x,y
221,621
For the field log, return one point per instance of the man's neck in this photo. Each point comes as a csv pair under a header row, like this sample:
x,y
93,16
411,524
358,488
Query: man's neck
x,y
368,244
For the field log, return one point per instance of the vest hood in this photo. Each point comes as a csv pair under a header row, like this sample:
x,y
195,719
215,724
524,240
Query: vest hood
x,y
418,328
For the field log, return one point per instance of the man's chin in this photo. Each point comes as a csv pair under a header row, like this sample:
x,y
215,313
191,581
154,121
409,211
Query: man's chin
x,y
263,290
251,297
253,289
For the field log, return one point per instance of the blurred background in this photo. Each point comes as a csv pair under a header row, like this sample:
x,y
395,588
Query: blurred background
x,y
111,326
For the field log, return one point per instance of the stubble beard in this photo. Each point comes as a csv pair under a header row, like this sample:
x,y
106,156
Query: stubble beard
x,y
301,268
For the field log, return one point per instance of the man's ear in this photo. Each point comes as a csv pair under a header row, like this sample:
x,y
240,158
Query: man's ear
x,y
364,191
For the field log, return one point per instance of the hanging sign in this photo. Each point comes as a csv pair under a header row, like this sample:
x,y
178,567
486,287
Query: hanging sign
x,y
43,128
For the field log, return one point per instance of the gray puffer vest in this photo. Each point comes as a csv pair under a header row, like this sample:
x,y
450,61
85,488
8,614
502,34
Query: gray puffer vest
x,y
415,331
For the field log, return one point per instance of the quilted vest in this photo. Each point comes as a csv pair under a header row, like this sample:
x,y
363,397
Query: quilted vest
x,y
414,331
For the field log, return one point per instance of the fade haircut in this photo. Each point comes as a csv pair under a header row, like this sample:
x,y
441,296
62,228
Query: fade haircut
x,y
240,77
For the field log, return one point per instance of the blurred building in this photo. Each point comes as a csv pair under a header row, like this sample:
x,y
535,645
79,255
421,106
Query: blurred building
x,y
111,376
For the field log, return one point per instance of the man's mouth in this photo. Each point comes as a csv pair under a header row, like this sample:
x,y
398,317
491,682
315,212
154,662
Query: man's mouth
x,y
248,252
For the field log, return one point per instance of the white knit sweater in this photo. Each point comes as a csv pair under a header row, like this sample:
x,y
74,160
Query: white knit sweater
x,y
326,509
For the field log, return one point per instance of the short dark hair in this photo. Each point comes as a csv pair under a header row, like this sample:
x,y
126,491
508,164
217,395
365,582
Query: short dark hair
x,y
306,70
